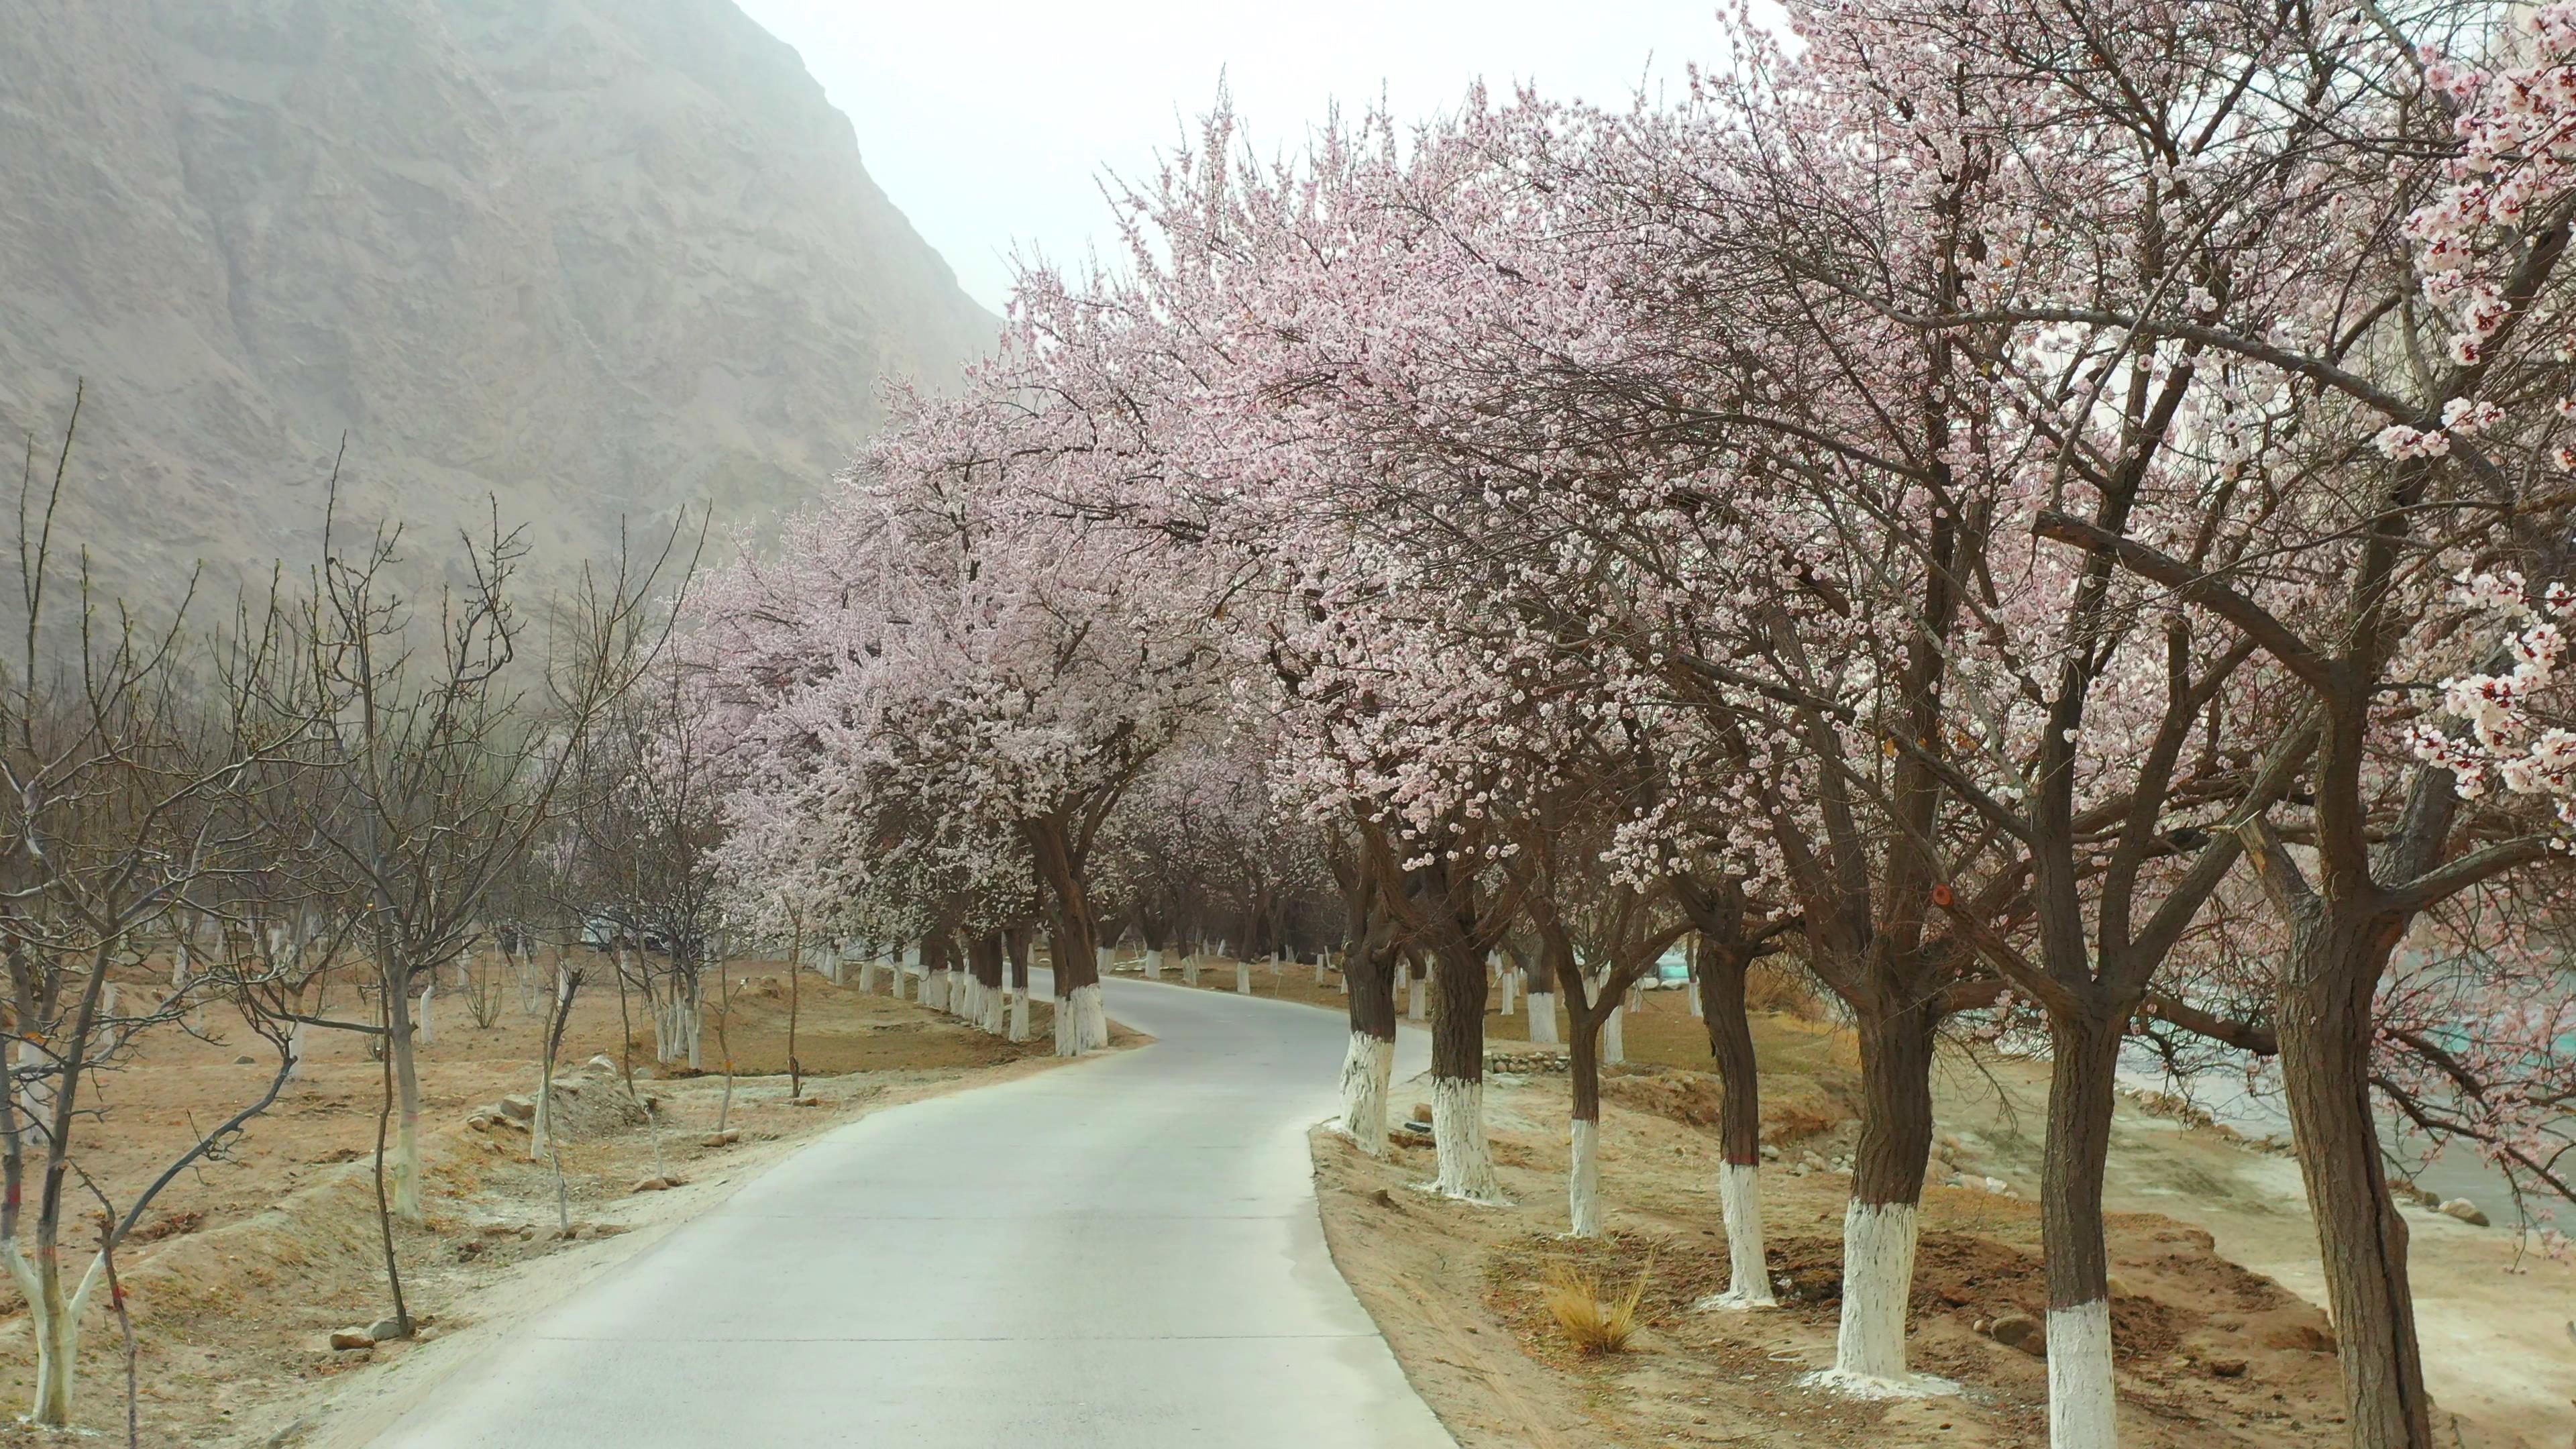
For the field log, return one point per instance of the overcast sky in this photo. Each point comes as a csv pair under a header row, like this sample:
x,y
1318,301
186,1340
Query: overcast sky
x,y
987,123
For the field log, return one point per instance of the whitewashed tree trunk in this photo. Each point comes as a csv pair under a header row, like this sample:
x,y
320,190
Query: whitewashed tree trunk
x,y
1614,1037
1583,1181
55,1327
1319,970
1366,1067
1413,1006
1542,1018
1103,960
1154,965
693,1021
35,1094
1081,1022
1878,1275
1739,1198
934,990
428,1037
1189,970
1509,977
541,1132
1458,1135
405,1167
1243,978
2083,1408
1020,1015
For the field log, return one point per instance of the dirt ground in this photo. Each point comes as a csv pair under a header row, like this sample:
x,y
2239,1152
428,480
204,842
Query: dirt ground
x,y
2221,1341
252,1261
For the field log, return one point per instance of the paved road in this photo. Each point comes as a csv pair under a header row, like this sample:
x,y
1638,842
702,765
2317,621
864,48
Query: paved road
x,y
1121,1253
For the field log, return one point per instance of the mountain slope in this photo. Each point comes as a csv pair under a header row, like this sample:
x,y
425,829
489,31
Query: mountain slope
x,y
594,258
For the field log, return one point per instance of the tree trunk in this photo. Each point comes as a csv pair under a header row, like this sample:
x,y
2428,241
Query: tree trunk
x,y
1458,1078
1081,1021
1739,1183
406,1164
2326,1031
1583,1173
1368,979
56,1329
1887,1186
2084,1059
1614,1024
1015,942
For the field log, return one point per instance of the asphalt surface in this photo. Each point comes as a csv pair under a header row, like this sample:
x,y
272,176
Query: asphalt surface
x,y
1122,1252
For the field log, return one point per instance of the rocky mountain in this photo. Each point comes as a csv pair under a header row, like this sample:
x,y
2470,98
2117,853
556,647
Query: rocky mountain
x,y
593,259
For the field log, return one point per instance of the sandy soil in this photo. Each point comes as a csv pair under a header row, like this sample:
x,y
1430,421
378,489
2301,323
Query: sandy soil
x,y
2211,1243
254,1260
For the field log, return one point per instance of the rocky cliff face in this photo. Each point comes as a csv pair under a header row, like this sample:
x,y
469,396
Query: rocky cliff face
x,y
595,259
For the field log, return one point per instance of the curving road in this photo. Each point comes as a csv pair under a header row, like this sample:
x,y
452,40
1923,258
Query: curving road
x,y
1123,1253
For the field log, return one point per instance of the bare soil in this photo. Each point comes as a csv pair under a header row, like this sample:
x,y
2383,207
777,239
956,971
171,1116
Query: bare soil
x,y
252,1261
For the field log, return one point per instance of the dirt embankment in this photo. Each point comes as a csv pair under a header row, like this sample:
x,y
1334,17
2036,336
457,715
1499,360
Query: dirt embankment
x,y
2210,1352
254,1260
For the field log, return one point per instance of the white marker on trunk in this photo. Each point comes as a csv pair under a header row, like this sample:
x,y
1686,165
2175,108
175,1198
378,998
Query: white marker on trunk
x,y
1365,1070
1878,1274
2083,1411
1081,1022
1583,1185
1739,1198
1458,1135
1542,1018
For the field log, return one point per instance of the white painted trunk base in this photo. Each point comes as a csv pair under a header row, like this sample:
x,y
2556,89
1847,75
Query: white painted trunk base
x,y
1878,1273
1081,1022
997,1011
934,990
422,1018
1692,993
1020,1015
1458,1132
1190,970
1153,965
1542,1018
2083,1410
1365,1069
1413,1007
1508,978
1614,1038
1243,978
1739,1199
1583,1182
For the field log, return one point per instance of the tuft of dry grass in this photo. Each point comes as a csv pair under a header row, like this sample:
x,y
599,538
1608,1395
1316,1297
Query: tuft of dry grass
x,y
1590,1322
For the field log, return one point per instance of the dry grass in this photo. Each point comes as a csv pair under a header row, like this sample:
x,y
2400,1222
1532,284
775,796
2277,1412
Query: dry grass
x,y
1785,989
1590,1322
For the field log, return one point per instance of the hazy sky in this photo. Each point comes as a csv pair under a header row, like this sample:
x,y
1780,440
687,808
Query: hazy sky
x,y
987,123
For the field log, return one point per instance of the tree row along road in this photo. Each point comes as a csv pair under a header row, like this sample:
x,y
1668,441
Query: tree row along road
x,y
1123,1252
